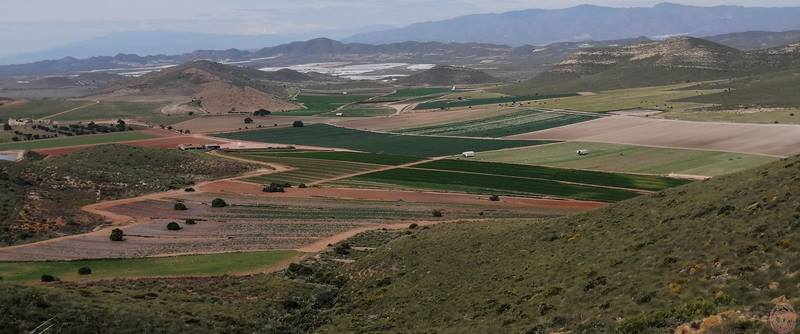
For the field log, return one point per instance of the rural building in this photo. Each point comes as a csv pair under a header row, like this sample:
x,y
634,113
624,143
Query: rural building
x,y
468,154
582,152
212,146
27,121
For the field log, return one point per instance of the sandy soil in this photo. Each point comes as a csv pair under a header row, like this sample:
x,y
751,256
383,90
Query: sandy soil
x,y
765,139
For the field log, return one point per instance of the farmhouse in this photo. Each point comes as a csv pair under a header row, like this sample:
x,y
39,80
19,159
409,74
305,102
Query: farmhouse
x,y
26,121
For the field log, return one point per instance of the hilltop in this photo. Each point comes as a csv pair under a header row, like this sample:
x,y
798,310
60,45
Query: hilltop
x,y
448,76
676,60
211,87
754,40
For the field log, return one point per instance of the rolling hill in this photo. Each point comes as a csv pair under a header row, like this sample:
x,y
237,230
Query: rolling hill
x,y
676,60
753,40
447,76
211,87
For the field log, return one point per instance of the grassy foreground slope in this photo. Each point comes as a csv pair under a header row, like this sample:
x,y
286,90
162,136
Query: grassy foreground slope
x,y
645,265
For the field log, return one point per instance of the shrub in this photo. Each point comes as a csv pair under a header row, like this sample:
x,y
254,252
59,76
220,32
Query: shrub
x,y
191,222
84,271
248,120
173,226
262,112
189,190
180,207
298,124
494,198
117,235
438,213
218,203
413,226
274,188
48,278
302,186
342,249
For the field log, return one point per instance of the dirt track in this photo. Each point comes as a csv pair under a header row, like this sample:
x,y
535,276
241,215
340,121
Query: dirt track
x,y
764,139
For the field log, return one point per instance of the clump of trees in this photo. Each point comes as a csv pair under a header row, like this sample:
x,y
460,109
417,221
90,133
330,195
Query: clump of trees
x,y
248,120
438,213
48,278
342,249
262,112
180,207
117,235
274,188
218,203
298,124
173,226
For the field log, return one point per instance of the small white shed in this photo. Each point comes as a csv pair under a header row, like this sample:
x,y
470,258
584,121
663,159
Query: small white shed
x,y
468,154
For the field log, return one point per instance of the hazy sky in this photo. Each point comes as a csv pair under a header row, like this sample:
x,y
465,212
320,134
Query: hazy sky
x,y
29,25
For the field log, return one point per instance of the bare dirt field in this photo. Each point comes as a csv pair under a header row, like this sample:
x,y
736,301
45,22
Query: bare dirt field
x,y
419,119
764,139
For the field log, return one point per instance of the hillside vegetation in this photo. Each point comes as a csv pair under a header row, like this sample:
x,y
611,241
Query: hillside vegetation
x,y
447,76
42,198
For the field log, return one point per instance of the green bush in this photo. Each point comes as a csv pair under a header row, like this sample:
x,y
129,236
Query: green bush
x,y
438,213
274,188
494,198
298,124
48,278
117,235
218,203
180,207
190,222
173,226
84,271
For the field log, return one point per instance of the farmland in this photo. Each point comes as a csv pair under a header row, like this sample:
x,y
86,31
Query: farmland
x,y
190,265
629,158
368,158
655,98
77,140
492,184
306,170
144,112
384,143
38,108
628,181
456,103
321,104
503,125
417,92
360,109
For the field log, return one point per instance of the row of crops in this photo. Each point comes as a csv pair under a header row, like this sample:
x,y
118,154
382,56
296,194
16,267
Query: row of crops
x,y
456,103
324,135
520,122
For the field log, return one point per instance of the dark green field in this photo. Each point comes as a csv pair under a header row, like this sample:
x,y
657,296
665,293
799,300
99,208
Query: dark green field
x,y
617,180
416,92
504,125
368,158
383,143
489,184
492,100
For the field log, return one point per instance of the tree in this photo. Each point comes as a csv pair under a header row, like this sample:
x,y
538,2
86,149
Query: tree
x,y
494,198
298,124
117,235
173,226
262,112
84,271
438,213
48,278
218,203
248,120
191,222
6,127
180,207
274,188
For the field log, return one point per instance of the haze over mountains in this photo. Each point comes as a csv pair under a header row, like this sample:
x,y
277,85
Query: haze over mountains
x,y
517,28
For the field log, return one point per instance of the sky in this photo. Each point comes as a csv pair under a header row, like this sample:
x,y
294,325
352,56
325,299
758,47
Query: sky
x,y
32,25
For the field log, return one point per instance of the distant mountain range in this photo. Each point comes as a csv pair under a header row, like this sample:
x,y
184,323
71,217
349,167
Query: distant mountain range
x,y
585,22
752,40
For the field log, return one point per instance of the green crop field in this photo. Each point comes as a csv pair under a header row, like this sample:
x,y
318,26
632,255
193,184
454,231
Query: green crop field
x,y
38,108
362,110
384,143
503,125
320,104
483,101
618,180
488,184
368,158
145,112
307,170
629,158
655,98
423,91
191,265
77,140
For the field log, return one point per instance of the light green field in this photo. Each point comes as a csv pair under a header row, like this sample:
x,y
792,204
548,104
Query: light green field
x,y
38,108
76,141
191,265
656,98
628,158
145,112
766,116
